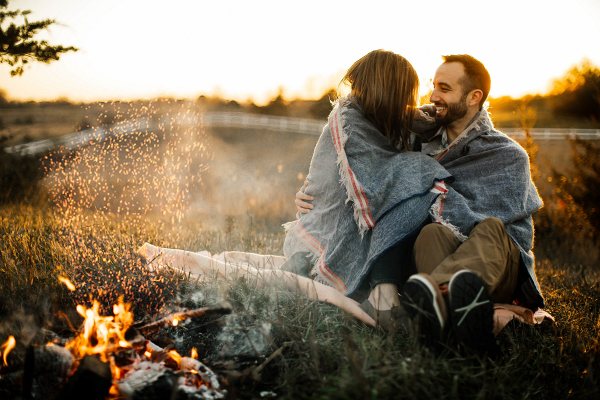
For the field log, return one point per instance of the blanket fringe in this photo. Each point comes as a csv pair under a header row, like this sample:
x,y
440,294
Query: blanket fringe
x,y
436,212
296,242
318,276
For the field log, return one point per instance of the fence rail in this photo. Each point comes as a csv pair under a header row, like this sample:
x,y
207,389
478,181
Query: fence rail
x,y
247,121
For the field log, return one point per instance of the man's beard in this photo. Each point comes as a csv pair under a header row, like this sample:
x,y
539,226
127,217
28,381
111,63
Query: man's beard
x,y
454,111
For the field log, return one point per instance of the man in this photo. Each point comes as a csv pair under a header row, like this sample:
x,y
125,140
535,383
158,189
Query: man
x,y
479,251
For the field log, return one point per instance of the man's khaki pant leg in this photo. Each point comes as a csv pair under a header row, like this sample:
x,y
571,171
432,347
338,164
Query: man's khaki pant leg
x,y
434,243
488,251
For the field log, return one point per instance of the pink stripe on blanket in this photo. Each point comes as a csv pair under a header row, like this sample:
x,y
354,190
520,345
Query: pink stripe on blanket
x,y
335,137
326,272
308,238
331,277
358,190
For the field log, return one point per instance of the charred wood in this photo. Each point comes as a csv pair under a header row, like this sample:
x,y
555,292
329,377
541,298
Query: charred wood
x,y
91,381
180,316
46,369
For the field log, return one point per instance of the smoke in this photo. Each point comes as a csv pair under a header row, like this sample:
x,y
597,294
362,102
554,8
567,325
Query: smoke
x,y
254,175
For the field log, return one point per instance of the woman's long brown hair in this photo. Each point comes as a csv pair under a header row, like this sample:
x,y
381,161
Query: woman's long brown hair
x,y
386,87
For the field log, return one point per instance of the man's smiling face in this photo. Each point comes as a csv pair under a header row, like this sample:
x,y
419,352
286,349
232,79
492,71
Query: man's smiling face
x,y
447,95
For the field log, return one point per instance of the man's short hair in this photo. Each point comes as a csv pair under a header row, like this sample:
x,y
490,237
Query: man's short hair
x,y
476,75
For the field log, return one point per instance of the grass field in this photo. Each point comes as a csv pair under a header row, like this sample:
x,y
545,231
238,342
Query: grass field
x,y
244,196
326,354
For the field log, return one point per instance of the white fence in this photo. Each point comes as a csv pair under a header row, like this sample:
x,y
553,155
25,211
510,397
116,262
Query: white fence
x,y
246,121
554,133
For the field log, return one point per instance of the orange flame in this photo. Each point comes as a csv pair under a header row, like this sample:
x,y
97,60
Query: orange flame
x,y
67,283
194,353
175,356
8,346
101,335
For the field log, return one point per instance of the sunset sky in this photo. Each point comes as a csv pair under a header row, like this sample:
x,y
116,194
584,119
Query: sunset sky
x,y
248,49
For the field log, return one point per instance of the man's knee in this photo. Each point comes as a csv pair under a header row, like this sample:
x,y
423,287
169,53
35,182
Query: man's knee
x,y
434,230
434,237
492,226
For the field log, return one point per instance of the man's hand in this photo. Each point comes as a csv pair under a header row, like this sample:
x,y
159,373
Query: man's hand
x,y
301,205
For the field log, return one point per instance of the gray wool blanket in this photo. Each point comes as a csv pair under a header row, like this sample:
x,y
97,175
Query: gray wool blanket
x,y
492,179
368,197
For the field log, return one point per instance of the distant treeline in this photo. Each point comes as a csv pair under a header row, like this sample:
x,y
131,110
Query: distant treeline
x,y
573,102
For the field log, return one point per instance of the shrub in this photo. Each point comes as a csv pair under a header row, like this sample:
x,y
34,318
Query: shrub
x,y
567,226
19,177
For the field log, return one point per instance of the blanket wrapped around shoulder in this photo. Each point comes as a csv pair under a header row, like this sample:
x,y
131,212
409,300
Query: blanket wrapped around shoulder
x,y
492,179
369,196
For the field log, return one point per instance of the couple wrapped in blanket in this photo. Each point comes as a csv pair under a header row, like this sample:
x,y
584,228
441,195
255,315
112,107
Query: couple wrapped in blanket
x,y
370,198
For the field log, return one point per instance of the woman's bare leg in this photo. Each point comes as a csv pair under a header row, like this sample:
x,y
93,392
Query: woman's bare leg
x,y
256,260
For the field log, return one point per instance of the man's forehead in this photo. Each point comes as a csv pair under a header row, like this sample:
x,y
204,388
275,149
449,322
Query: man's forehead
x,y
450,73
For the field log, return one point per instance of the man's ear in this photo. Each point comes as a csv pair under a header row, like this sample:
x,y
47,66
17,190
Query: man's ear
x,y
475,97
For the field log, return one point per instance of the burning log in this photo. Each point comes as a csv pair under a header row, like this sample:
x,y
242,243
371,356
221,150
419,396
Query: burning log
x,y
137,369
45,371
189,379
91,381
196,367
175,318
148,380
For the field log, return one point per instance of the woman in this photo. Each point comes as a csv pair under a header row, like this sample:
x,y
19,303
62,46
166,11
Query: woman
x,y
362,226
370,195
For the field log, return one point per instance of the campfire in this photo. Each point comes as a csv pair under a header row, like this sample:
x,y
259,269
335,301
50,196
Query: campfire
x,y
110,357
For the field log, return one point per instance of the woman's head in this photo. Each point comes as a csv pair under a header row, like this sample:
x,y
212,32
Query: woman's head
x,y
386,87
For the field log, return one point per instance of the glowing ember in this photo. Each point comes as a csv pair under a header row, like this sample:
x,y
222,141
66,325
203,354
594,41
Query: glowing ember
x,y
175,356
8,346
67,283
175,322
101,335
194,353
148,354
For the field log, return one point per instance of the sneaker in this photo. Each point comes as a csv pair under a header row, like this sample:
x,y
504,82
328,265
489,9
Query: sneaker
x,y
472,312
423,300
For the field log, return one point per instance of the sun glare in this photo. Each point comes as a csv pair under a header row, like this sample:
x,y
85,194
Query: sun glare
x,y
250,50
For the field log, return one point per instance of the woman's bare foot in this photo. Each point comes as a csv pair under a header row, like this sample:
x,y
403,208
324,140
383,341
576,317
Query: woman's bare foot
x,y
384,296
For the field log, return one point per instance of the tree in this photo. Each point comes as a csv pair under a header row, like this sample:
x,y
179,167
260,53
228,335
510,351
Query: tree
x,y
17,44
577,93
322,107
277,106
